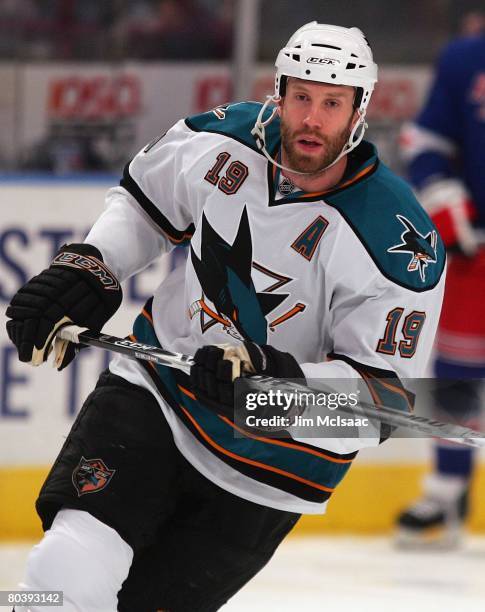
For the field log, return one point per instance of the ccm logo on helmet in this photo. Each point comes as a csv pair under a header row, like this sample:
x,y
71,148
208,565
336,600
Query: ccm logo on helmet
x,y
323,60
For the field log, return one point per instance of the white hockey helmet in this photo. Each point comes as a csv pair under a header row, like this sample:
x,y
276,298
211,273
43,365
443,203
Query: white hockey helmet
x,y
328,54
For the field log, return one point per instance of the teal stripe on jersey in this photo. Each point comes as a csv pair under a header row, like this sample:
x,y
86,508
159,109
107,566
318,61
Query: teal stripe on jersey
x,y
297,460
315,469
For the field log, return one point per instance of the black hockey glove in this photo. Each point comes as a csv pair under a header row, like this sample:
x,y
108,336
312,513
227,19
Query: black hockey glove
x,y
76,288
216,367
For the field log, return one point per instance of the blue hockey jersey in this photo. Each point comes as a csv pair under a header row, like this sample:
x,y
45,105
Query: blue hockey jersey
x,y
448,137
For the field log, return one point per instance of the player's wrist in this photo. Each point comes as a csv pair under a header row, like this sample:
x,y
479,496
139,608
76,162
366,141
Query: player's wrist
x,y
272,362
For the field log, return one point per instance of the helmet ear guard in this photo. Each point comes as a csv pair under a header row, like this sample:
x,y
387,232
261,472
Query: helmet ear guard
x,y
359,94
325,54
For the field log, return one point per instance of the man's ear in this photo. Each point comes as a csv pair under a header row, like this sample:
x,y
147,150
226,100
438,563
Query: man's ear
x,y
279,105
355,118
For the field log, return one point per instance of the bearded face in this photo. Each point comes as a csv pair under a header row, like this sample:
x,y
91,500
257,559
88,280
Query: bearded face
x,y
327,148
316,122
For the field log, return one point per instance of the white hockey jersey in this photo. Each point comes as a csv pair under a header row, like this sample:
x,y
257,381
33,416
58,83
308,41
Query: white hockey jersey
x,y
349,281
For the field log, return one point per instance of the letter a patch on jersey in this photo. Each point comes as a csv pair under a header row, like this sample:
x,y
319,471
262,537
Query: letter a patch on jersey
x,y
307,242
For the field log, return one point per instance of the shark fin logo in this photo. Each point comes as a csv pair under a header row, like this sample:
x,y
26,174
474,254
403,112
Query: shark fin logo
x,y
230,297
422,248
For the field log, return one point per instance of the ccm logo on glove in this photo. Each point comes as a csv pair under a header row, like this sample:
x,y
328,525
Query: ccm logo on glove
x,y
90,264
76,288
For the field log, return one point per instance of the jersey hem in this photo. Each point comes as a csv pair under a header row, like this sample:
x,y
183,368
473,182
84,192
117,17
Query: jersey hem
x,y
209,465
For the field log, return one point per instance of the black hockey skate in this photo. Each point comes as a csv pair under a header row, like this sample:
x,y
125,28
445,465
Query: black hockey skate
x,y
435,520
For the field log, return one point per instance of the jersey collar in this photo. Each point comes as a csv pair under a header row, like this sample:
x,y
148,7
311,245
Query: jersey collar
x,y
362,162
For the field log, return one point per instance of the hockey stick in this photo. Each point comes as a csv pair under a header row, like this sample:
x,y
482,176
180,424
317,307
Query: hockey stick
x,y
389,416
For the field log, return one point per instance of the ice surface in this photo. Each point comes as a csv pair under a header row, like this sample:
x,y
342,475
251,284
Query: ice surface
x,y
345,574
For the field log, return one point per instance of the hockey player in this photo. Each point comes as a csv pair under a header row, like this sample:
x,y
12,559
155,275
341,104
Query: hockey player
x,y
308,259
444,149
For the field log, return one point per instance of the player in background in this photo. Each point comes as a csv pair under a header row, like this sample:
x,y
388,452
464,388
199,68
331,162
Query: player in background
x,y
444,151
308,259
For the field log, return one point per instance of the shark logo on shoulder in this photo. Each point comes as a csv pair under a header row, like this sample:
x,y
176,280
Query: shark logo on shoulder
x,y
422,248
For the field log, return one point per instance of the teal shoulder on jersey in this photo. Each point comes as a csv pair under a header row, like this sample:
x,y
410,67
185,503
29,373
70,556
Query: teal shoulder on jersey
x,y
236,121
394,228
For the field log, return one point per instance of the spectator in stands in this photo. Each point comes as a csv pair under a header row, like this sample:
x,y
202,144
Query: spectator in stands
x,y
178,30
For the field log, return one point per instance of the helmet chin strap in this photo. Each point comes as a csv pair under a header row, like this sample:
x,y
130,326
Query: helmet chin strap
x,y
259,134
